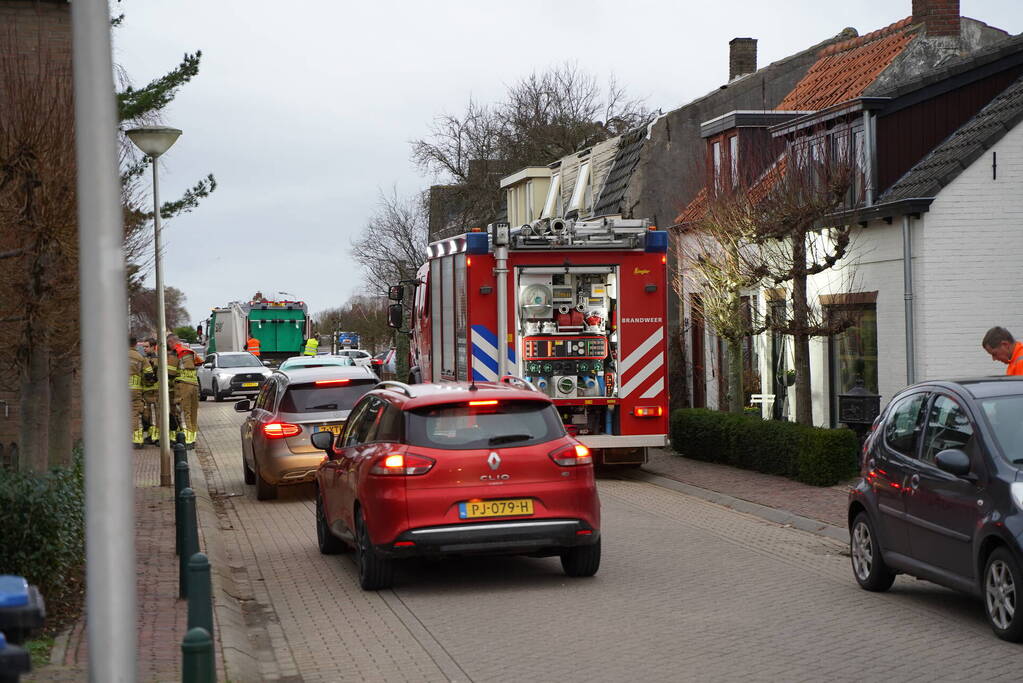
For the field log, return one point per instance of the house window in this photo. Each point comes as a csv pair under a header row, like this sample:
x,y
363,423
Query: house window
x,y
779,382
750,360
582,184
853,352
716,161
733,159
552,205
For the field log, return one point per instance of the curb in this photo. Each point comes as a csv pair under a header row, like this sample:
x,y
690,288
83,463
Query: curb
x,y
776,515
239,661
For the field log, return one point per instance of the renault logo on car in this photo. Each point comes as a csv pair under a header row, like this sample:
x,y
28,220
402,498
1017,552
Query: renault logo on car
x,y
494,461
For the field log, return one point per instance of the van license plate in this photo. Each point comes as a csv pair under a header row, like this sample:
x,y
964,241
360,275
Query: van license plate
x,y
334,429
515,507
250,384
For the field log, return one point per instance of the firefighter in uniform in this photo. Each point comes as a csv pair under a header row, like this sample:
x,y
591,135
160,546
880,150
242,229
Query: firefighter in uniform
x,y
138,369
311,345
187,389
172,395
151,395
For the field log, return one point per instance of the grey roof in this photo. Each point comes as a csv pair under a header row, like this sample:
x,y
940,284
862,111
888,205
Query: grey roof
x,y
950,158
617,181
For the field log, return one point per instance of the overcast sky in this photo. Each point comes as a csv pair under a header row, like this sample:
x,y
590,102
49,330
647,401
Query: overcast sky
x,y
304,110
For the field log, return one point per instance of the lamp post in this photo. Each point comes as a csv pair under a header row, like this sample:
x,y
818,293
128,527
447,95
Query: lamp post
x,y
154,141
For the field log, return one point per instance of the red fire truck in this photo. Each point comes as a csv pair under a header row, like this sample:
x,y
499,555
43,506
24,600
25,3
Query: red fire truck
x,y
581,309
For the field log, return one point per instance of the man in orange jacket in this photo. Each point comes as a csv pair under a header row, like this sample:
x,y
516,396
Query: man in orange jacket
x,y
1003,348
252,346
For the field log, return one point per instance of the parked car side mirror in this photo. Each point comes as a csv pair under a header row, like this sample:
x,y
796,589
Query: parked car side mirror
x,y
266,363
325,442
953,461
208,365
243,406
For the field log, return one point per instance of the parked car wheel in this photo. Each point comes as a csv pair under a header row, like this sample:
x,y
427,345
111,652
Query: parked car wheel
x,y
869,567
217,396
1003,585
202,394
264,491
250,476
583,560
328,543
375,572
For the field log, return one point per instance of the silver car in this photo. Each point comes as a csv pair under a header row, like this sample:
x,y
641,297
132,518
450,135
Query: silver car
x,y
360,357
316,362
231,373
291,407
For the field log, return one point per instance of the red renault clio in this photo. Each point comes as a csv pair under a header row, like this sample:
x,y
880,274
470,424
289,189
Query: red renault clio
x,y
453,469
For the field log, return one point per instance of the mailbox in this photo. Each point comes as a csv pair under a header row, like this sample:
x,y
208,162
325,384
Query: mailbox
x,y
858,407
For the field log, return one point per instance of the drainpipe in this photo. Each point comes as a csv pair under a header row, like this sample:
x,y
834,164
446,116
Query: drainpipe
x,y
907,283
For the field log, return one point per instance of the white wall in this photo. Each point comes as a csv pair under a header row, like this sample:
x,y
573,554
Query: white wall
x,y
970,275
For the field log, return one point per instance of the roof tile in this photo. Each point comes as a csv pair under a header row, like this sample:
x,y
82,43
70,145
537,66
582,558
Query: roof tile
x,y
844,70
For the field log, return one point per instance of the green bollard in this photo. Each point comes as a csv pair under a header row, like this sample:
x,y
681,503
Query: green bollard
x,y
189,539
200,599
180,484
197,665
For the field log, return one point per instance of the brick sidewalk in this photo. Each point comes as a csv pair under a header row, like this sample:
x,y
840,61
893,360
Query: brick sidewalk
x,y
161,616
826,504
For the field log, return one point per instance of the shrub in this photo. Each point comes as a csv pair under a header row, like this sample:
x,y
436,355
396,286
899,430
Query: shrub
x,y
821,457
42,536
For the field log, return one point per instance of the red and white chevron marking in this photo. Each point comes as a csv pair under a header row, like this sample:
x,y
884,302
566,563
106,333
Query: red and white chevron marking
x,y
643,369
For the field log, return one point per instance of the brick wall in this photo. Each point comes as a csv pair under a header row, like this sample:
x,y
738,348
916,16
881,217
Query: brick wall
x,y
940,17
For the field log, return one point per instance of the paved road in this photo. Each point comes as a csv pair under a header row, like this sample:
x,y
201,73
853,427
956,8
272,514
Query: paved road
x,y
687,590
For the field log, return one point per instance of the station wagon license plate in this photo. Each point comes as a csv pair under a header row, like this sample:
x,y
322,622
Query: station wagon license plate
x,y
250,384
515,507
334,429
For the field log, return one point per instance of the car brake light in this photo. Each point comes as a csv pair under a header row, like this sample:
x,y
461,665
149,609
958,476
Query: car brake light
x,y
330,382
571,455
483,403
398,464
648,411
279,430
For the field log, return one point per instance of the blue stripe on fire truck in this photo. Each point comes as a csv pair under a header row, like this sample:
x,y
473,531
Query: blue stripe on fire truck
x,y
484,354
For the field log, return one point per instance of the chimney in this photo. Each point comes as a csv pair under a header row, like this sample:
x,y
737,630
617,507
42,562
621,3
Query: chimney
x,y
939,17
742,57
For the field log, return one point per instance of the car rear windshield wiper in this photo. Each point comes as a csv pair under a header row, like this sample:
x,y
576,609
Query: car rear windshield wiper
x,y
508,438
325,406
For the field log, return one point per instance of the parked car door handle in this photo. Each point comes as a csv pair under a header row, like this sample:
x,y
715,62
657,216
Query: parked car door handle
x,y
914,481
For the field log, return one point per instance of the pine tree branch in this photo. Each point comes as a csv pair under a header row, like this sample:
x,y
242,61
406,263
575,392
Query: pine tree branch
x,y
133,104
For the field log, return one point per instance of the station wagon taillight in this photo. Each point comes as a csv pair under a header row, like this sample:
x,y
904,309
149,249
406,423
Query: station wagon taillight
x,y
402,464
571,455
279,430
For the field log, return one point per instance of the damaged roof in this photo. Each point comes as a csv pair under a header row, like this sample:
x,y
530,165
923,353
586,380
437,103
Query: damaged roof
x,y
843,71
617,181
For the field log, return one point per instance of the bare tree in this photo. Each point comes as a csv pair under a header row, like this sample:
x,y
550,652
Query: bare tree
x,y
362,314
543,117
142,302
393,243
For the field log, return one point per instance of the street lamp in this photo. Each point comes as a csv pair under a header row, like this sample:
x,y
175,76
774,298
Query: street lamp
x,y
154,141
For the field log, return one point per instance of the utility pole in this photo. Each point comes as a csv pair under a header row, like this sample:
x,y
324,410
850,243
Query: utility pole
x,y
109,490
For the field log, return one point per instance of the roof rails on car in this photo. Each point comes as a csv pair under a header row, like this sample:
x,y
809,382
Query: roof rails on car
x,y
518,381
397,386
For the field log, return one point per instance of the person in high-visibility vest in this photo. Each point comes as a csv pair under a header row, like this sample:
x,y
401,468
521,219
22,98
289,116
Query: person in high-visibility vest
x,y
311,345
252,346
187,388
1004,348
151,394
138,369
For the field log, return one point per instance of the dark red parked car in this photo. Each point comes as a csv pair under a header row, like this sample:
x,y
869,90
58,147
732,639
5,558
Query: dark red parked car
x,y
456,469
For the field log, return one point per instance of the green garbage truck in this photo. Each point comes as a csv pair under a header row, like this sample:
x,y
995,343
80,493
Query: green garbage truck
x,y
281,327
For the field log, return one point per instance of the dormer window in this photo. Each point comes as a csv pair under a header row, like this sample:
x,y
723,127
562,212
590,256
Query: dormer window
x,y
552,205
580,194
716,161
733,159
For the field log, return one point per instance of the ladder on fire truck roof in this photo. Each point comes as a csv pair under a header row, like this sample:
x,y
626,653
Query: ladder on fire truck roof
x,y
596,233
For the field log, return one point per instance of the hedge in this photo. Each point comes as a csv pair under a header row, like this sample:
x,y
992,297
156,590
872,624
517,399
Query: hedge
x,y
822,457
42,535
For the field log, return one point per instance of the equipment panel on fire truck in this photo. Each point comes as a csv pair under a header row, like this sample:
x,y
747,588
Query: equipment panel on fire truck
x,y
576,308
